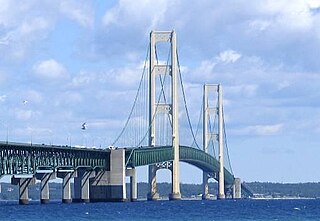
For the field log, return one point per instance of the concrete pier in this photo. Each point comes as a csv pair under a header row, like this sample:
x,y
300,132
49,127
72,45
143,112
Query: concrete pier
x,y
153,194
132,173
81,185
23,182
205,186
66,176
236,193
45,176
110,185
175,194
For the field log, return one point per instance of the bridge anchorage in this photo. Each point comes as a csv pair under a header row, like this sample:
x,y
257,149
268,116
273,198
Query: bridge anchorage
x,y
150,138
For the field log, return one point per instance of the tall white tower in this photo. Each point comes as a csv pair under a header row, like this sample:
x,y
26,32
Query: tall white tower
x,y
209,109
171,109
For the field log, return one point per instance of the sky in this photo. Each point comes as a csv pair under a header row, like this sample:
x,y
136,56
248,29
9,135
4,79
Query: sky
x,y
73,61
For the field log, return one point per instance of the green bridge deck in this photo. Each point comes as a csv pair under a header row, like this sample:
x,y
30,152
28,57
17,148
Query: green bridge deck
x,y
146,156
18,158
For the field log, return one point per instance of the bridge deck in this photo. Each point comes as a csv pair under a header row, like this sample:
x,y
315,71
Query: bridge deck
x,y
17,158
146,156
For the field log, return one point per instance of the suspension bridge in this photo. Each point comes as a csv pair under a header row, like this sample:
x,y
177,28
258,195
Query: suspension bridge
x,y
158,133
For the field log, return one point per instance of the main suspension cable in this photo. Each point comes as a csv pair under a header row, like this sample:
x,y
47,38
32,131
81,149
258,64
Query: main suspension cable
x,y
226,141
198,125
185,102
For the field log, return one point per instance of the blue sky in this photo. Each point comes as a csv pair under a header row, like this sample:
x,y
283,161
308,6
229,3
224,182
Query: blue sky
x,y
81,61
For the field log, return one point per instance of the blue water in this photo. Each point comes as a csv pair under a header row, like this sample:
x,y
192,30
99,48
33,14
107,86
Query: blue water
x,y
166,210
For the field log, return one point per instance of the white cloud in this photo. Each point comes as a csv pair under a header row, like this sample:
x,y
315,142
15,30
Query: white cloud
x,y
263,130
50,69
38,24
293,15
4,40
24,26
121,77
147,13
313,3
126,76
228,56
84,78
260,25
283,84
78,11
3,98
206,70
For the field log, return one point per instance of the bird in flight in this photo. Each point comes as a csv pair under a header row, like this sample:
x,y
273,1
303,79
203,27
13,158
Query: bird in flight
x,y
25,102
84,126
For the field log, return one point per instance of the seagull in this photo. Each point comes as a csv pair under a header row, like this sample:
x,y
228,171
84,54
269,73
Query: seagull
x,y
84,126
25,102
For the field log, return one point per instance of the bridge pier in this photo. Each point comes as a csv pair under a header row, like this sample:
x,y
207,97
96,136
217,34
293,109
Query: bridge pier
x,y
110,185
205,186
153,194
81,185
45,176
132,173
66,176
236,193
175,194
23,183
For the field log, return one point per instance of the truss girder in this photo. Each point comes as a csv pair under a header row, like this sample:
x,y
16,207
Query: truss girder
x,y
18,158
148,156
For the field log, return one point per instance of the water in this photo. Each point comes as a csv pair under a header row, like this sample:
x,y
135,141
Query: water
x,y
307,209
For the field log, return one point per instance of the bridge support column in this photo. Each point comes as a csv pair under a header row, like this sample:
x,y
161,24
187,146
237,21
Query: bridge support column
x,y
81,185
44,188
153,194
221,145
205,186
133,184
175,195
66,176
23,183
110,185
236,193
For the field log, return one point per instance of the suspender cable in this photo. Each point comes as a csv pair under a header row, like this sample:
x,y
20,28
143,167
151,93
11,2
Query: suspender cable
x,y
135,100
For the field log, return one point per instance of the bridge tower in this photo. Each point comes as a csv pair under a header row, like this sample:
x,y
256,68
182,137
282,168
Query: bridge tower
x,y
171,108
209,109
